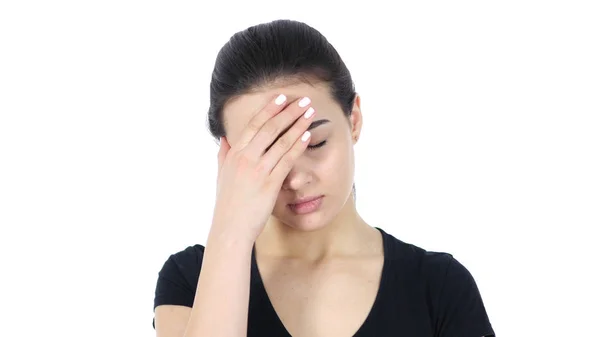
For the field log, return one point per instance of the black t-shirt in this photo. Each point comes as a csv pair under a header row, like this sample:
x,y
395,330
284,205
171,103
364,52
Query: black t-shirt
x,y
421,294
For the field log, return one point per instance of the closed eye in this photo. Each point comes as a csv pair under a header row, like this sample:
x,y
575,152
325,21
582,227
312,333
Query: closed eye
x,y
316,146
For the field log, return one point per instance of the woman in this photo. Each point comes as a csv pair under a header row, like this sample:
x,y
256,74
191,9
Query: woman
x,y
287,252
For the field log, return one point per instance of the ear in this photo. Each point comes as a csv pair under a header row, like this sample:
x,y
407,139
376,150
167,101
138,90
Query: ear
x,y
356,120
224,148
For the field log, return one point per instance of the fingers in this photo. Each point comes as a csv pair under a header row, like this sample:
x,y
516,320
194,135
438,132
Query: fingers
x,y
256,123
287,141
277,125
286,162
223,150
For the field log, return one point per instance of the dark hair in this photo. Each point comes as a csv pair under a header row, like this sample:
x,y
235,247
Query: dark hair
x,y
281,49
267,52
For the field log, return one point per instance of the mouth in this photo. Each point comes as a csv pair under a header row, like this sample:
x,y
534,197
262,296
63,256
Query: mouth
x,y
306,205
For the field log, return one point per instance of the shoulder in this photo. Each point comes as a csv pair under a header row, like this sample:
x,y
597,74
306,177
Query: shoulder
x,y
448,287
190,256
426,263
178,277
416,260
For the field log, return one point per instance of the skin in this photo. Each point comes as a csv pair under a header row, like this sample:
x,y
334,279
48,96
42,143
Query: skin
x,y
321,270
337,228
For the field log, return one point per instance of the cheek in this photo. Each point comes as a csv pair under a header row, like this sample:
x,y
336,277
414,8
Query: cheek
x,y
333,165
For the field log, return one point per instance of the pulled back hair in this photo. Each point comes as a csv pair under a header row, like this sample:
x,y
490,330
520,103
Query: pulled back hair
x,y
262,54
278,50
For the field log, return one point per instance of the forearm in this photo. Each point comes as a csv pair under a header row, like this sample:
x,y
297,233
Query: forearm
x,y
221,304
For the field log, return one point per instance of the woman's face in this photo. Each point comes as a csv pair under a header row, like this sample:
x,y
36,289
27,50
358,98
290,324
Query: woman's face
x,y
325,169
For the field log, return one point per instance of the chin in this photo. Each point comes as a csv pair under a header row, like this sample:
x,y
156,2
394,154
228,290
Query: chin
x,y
310,223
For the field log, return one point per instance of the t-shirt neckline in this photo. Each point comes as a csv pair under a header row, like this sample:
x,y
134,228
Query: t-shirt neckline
x,y
372,312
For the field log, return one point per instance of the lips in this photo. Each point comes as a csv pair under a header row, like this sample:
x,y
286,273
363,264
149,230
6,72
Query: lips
x,y
305,199
306,205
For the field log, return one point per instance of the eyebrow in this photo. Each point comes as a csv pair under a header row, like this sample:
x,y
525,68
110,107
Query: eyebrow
x,y
312,125
318,123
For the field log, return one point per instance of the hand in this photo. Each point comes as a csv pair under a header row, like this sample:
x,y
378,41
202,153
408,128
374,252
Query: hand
x,y
250,177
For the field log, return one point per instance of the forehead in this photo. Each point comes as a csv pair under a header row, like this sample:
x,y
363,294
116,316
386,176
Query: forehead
x,y
238,112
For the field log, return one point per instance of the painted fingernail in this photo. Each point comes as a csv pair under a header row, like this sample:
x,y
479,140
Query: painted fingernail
x,y
280,99
309,113
304,102
305,136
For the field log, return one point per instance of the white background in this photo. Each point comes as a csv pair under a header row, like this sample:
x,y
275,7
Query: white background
x,y
481,138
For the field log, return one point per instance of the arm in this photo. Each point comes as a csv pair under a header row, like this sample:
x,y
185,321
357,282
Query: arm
x,y
460,309
221,302
171,320
250,176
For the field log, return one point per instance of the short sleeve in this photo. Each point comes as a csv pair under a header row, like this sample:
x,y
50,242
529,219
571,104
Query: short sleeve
x,y
178,278
460,310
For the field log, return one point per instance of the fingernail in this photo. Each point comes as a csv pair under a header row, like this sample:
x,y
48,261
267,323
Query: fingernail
x,y
304,102
305,136
309,112
280,99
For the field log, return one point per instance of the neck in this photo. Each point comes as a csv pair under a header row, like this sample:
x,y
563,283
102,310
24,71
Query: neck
x,y
348,234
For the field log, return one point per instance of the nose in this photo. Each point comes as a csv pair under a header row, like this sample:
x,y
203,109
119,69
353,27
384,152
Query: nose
x,y
297,179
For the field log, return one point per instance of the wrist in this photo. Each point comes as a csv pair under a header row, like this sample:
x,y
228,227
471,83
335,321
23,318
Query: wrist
x,y
230,240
